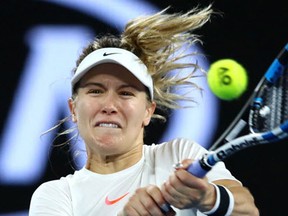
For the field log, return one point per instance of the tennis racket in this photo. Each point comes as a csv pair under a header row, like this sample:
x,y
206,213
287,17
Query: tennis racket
x,y
267,113
267,110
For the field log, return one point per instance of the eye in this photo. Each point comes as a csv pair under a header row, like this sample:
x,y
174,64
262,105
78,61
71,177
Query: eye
x,y
95,91
126,93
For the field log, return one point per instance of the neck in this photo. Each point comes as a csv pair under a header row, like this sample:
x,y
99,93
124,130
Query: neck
x,y
108,164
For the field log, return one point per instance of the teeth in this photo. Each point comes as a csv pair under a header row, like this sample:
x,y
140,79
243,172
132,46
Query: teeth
x,y
109,125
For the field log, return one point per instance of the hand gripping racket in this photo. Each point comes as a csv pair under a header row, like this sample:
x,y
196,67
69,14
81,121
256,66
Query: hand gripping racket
x,y
267,110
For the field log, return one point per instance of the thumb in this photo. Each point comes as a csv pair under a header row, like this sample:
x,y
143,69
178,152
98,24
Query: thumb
x,y
186,163
183,164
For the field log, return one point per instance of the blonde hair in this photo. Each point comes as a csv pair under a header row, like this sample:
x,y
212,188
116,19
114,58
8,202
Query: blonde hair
x,y
156,39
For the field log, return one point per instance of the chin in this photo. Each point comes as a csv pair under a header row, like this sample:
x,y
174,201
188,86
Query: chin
x,y
109,144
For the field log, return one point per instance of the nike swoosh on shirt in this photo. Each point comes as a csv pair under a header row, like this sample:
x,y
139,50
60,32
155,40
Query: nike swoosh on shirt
x,y
111,202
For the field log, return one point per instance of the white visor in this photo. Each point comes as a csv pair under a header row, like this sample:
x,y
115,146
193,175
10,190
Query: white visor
x,y
119,56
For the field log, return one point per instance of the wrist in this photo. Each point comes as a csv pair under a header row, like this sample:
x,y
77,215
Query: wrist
x,y
224,203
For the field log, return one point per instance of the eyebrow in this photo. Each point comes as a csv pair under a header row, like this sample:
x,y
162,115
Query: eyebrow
x,y
91,84
103,86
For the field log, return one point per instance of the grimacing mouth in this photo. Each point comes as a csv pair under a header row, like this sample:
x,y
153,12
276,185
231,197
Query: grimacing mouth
x,y
108,124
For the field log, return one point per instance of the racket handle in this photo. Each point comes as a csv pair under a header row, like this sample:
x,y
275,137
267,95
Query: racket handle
x,y
198,169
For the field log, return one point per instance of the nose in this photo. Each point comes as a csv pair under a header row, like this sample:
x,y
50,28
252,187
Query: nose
x,y
109,105
109,110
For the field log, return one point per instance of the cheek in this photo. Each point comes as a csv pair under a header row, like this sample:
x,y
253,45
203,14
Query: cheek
x,y
85,110
136,114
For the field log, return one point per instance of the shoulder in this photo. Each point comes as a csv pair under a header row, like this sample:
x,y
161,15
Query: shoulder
x,y
54,187
61,185
52,197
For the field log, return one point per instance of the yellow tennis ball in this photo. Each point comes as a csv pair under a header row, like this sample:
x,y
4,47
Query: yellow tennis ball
x,y
227,79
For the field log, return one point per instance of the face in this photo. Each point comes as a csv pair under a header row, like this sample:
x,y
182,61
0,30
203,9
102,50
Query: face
x,y
111,110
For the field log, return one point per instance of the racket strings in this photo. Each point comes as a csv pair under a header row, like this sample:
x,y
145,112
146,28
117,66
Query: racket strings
x,y
275,107
285,98
272,110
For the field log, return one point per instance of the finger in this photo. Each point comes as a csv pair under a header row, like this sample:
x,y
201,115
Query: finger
x,y
186,163
156,194
183,164
177,184
128,211
135,205
157,200
171,194
188,180
145,201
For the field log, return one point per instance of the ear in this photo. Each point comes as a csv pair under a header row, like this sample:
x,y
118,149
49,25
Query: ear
x,y
71,105
149,112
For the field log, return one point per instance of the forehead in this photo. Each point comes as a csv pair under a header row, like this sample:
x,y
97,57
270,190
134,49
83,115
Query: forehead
x,y
111,70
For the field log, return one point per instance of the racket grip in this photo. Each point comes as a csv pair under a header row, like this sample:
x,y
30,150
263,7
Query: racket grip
x,y
197,169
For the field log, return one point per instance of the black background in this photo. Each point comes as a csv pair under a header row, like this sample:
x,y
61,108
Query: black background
x,y
252,32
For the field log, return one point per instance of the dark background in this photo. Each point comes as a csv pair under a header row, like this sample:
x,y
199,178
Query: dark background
x,y
252,32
